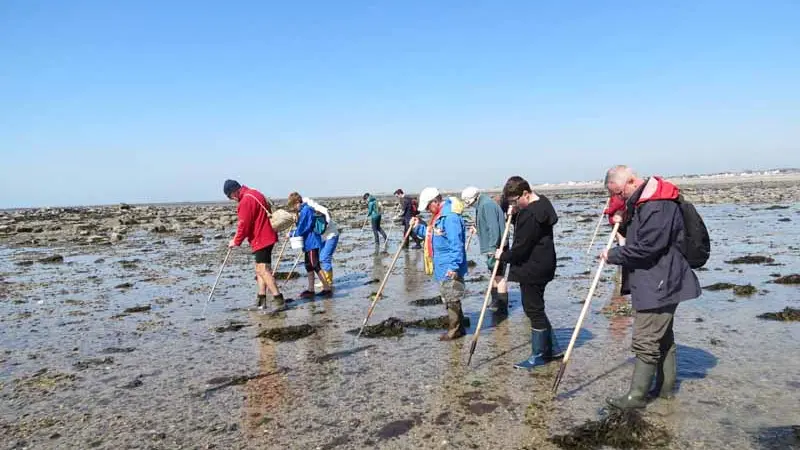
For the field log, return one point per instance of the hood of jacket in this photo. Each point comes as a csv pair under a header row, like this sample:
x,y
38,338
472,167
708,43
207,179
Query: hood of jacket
x,y
655,188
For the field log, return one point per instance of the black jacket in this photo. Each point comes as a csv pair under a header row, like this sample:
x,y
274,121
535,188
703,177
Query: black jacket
x,y
533,253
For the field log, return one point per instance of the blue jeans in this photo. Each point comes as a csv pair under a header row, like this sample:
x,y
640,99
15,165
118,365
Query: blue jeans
x,y
326,254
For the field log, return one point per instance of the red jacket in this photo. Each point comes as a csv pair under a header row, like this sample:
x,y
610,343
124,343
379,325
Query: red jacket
x,y
254,222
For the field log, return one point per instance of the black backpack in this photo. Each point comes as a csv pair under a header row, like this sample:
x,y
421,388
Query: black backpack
x,y
696,245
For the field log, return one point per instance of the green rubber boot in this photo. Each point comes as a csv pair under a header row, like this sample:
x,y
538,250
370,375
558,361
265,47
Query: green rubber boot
x,y
640,384
666,375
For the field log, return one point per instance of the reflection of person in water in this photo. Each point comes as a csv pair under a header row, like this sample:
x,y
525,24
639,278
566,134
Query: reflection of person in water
x,y
263,395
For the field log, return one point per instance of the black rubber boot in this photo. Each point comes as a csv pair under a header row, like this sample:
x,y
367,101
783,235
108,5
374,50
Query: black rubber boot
x,y
455,320
502,304
261,301
640,384
278,300
493,303
666,375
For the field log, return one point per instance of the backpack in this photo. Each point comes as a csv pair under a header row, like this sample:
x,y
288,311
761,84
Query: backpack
x,y
414,207
320,224
378,207
696,245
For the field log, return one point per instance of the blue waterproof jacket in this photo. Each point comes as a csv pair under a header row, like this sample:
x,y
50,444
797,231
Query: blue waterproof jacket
x,y
305,228
449,253
372,209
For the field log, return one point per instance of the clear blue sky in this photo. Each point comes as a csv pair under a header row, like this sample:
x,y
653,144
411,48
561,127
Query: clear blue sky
x,y
148,101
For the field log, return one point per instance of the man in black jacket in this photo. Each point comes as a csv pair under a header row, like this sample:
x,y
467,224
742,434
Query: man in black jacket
x,y
533,264
660,278
409,211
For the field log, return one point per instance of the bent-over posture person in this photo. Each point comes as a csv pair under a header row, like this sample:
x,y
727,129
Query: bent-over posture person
x,y
660,278
254,225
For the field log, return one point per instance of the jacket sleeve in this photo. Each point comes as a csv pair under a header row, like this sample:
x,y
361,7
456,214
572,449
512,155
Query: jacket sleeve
x,y
526,234
488,226
420,230
454,233
246,217
304,223
652,239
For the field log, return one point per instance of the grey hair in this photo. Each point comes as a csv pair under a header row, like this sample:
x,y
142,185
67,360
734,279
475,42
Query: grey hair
x,y
619,175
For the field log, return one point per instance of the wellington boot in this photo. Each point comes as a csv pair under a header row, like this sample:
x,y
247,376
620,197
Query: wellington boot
x,y
640,384
455,322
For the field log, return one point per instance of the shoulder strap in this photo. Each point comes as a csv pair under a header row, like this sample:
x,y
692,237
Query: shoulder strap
x,y
259,204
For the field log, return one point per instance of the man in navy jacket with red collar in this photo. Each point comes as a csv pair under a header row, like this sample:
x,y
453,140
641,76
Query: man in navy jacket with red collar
x,y
660,278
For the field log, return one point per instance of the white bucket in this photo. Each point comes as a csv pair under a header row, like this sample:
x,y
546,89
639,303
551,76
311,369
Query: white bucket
x,y
296,242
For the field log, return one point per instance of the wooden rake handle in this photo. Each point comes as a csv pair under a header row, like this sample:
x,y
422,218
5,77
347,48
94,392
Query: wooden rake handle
x,y
489,290
584,310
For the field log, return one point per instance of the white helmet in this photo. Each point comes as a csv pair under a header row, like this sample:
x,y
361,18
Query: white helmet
x,y
470,195
426,197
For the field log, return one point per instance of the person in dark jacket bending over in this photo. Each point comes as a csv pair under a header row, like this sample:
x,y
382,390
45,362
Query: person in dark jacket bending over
x,y
490,223
409,211
660,278
533,264
254,225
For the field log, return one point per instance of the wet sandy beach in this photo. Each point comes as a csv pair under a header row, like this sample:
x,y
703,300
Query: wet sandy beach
x,y
78,371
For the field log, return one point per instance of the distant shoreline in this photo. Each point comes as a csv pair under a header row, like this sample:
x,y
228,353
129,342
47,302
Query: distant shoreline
x,y
585,187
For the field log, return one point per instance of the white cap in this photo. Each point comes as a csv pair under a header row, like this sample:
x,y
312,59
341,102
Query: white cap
x,y
426,196
469,195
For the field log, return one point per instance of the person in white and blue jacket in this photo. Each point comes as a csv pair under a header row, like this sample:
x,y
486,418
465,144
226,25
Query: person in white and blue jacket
x,y
444,253
312,243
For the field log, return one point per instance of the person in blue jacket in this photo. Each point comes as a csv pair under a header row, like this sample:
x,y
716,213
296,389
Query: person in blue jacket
x,y
312,243
444,253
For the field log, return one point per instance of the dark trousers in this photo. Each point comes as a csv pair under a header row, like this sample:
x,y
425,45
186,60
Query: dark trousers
x,y
652,333
533,305
413,235
377,230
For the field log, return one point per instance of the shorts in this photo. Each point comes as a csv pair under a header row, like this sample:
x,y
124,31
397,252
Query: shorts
x,y
264,256
312,261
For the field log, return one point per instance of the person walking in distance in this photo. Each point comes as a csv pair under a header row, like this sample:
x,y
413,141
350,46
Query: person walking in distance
x,y
490,222
660,277
409,211
254,225
444,254
533,264
374,214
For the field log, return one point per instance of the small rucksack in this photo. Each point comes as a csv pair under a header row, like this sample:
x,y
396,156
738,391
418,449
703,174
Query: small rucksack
x,y
696,245
320,224
414,207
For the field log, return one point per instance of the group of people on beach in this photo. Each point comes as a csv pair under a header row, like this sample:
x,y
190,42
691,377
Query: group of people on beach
x,y
654,252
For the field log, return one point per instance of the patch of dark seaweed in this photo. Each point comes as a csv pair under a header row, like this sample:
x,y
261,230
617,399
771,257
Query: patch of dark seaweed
x,y
719,287
341,354
623,430
395,429
745,290
55,259
137,309
436,323
284,275
238,380
428,301
787,315
751,259
86,364
788,279
232,326
390,327
774,207
286,334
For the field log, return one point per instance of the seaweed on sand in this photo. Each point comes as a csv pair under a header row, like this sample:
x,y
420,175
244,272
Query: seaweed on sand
x,y
435,323
290,333
388,328
619,429
428,301
788,279
283,275
787,315
745,290
751,259
719,287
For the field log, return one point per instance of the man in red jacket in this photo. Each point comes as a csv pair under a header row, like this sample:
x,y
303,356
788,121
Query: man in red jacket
x,y
254,212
